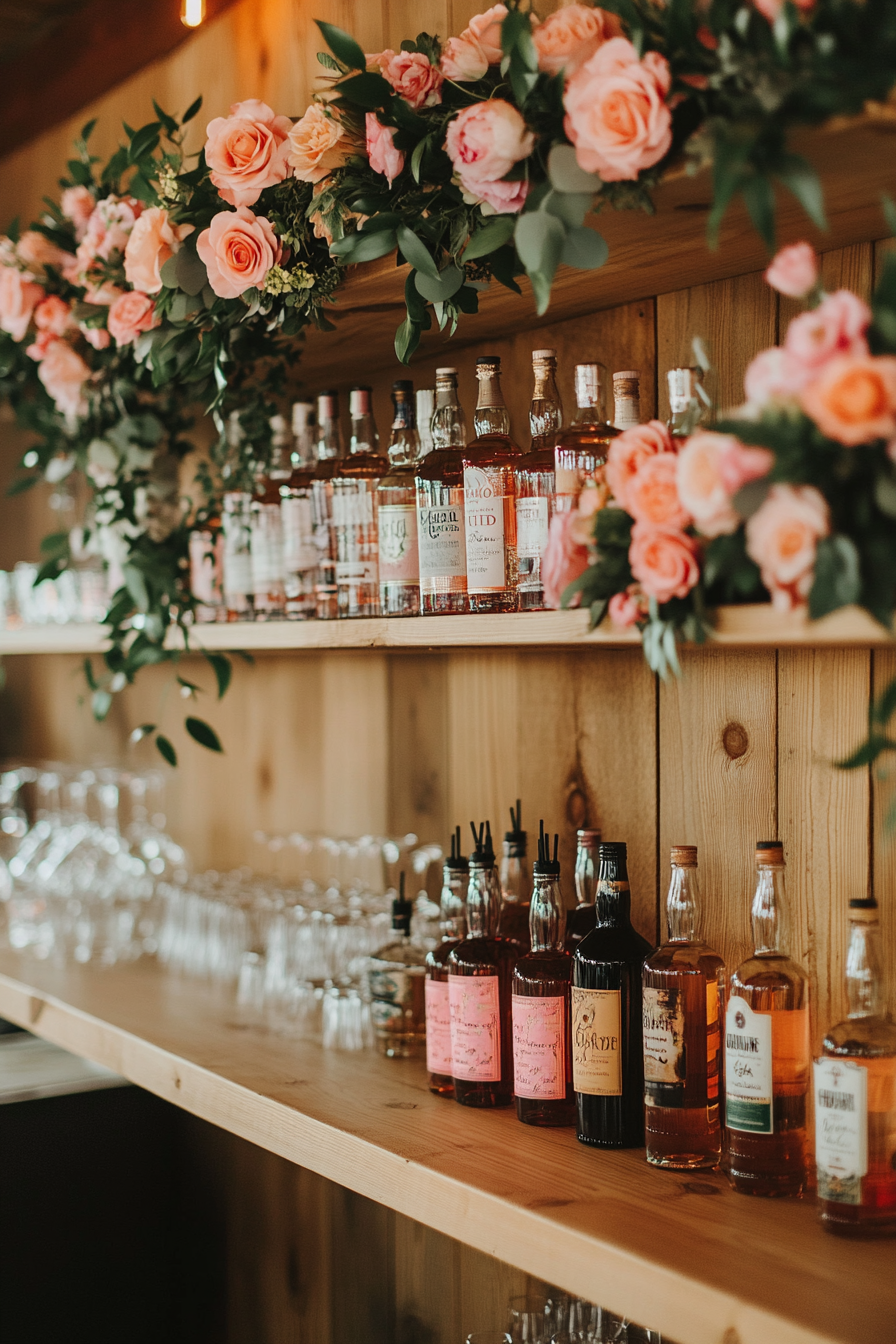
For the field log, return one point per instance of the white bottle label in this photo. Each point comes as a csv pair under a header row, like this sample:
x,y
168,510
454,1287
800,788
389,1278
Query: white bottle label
x,y
440,536
484,517
356,571
353,505
531,527
267,548
841,1129
237,577
398,554
663,1026
299,551
748,1069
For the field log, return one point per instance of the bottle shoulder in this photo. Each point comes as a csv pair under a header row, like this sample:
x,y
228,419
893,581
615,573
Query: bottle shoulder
x,y
613,942
398,477
326,468
361,466
691,956
766,971
492,450
586,437
863,1037
473,953
537,459
442,465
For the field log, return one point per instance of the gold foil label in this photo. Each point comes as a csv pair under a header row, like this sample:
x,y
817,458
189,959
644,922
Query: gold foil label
x,y
597,1041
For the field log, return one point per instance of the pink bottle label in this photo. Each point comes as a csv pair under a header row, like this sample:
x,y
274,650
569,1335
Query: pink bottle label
x,y
539,1047
438,1028
475,1028
399,556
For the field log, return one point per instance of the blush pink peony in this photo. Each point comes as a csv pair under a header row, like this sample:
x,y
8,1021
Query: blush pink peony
x,y
412,75
664,561
774,375
500,198
384,157
246,151
153,241
130,315
485,141
652,495
770,9
853,400
571,35
463,59
64,374
53,315
616,111
626,608
794,271
836,327
238,249
702,485
629,450
739,465
77,205
317,144
485,29
782,536
37,252
564,559
19,297
98,337
108,229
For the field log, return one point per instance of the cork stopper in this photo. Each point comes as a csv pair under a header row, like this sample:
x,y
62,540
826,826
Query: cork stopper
x,y
627,383
488,363
302,416
359,401
446,373
327,406
541,356
769,854
684,856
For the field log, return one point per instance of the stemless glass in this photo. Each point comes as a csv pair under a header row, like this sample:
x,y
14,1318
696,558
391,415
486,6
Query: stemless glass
x,y
489,1337
529,1319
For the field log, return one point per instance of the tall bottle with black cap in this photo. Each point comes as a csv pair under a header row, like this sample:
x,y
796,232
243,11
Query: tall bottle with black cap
x,y
396,976
396,505
607,1056
453,914
490,497
480,988
542,1056
516,889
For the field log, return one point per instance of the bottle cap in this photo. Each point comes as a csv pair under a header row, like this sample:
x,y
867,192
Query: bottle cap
x,y
483,854
327,406
627,374
684,856
588,839
401,914
541,355
544,865
359,401
488,362
402,387
863,903
302,416
769,853
446,373
456,860
613,849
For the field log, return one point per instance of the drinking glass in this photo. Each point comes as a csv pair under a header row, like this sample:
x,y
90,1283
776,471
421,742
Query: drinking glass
x,y
529,1321
489,1337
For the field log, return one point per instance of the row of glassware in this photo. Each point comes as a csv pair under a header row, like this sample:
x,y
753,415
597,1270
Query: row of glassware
x,y
558,1318
76,596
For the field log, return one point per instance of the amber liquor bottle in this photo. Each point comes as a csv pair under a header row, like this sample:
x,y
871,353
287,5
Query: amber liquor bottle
x,y
855,1095
206,550
542,1055
683,998
396,499
581,920
439,479
535,481
297,516
606,1014
396,978
767,1050
480,989
580,454
515,885
329,451
354,488
453,911
267,528
489,464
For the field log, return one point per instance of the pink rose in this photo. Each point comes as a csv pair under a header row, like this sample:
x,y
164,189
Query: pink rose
x,y
102,295
53,315
238,249
153,241
569,36
782,536
853,399
18,299
98,337
628,450
485,141
412,75
77,205
38,348
505,198
625,609
486,30
770,9
131,314
108,229
463,59
739,465
564,559
246,151
37,252
64,373
836,327
317,144
701,483
794,271
664,561
616,113
773,375
653,493
384,157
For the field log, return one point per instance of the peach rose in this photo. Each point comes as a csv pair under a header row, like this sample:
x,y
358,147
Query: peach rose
x,y
664,561
569,36
238,249
317,144
773,375
412,75
629,450
564,559
39,347
616,113
18,299
131,314
782,536
384,157
626,609
64,373
98,337
463,59
739,465
794,271
102,295
246,151
53,315
485,141
37,252
653,493
854,399
836,327
77,205
153,241
485,29
701,483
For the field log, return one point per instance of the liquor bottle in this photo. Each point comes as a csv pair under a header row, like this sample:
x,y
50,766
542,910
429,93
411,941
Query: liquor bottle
x,y
329,450
396,500
535,481
581,920
396,977
516,891
542,1056
855,1095
580,455
490,498
425,399
607,1053
297,516
480,988
688,401
453,912
236,523
767,1050
354,487
627,398
683,996
439,481
267,527
207,570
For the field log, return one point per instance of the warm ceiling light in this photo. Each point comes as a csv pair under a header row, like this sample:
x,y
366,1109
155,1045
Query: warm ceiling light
x,y
192,12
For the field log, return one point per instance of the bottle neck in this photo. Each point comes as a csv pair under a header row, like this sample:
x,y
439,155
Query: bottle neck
x,y
483,901
453,906
768,909
682,905
449,428
864,970
545,411
329,443
612,896
364,438
547,915
491,415
628,411
587,861
404,442
514,874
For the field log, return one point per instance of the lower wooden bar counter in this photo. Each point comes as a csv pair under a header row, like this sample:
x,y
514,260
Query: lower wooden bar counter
x,y
678,1251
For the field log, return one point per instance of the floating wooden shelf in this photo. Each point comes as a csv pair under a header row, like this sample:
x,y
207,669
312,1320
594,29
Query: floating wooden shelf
x,y
680,1252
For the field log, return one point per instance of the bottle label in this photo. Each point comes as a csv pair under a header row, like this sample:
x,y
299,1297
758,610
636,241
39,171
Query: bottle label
x,y
475,1028
438,1028
664,1052
237,576
267,547
841,1129
206,568
355,571
353,504
539,1047
299,550
597,1041
399,561
531,527
484,518
440,535
748,1068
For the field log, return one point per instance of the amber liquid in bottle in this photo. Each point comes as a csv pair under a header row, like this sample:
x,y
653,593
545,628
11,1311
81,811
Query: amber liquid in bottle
x,y
580,453
267,529
490,498
329,450
767,1051
581,920
515,885
297,514
535,481
441,533
353,506
455,880
683,997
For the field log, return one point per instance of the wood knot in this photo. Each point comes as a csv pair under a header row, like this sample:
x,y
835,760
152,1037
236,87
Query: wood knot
x,y
700,1188
735,740
576,808
36,1008
731,1336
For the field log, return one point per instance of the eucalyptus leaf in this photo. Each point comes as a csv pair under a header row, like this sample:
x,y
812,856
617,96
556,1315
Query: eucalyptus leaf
x,y
343,47
585,249
494,234
449,282
192,276
100,703
416,252
356,247
168,273
571,208
885,493
203,733
565,174
838,577
136,586
166,750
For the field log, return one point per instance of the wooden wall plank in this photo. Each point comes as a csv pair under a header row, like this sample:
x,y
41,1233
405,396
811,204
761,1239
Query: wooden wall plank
x,y
427,1285
418,746
883,835
483,738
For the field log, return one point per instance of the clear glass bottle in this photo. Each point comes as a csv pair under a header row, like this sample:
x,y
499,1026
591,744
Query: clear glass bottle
x,y
236,523
354,498
535,481
581,920
516,888
480,989
606,1012
453,913
439,481
328,451
490,498
767,1050
683,997
627,398
396,976
396,504
855,1095
267,527
688,402
425,400
297,517
206,547
542,1054
580,455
